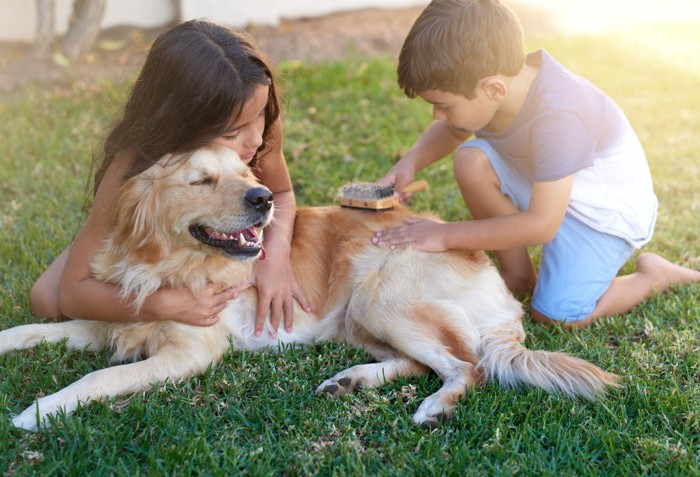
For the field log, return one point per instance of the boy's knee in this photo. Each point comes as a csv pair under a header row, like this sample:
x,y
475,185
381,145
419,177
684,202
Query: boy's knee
x,y
472,167
474,172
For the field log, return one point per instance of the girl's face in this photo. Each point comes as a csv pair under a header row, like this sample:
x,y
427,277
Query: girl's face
x,y
245,135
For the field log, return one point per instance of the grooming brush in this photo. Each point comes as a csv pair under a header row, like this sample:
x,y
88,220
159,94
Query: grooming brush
x,y
373,196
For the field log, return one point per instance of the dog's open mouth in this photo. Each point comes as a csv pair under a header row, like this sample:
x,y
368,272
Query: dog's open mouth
x,y
244,242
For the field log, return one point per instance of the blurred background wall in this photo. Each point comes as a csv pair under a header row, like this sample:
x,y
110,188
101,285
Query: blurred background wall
x,y
18,17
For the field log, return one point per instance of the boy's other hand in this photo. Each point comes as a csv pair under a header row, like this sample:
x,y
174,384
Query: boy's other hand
x,y
421,234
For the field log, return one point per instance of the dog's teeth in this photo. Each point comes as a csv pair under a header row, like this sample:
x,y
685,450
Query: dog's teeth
x,y
241,240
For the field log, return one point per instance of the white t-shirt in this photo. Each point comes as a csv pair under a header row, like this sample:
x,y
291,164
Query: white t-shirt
x,y
568,126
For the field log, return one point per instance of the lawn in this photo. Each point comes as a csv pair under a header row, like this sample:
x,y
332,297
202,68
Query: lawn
x,y
257,414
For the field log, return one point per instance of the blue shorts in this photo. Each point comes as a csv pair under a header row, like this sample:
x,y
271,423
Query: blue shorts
x,y
577,266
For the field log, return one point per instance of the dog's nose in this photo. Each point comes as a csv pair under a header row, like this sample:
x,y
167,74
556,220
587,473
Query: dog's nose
x,y
259,198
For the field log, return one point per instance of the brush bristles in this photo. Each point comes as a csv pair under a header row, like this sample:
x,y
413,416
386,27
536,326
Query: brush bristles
x,y
366,190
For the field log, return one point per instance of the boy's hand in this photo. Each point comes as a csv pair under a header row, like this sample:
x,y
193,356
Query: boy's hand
x,y
399,177
421,234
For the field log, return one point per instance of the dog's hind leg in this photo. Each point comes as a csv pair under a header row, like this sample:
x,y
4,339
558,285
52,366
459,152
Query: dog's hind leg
x,y
389,366
431,336
79,334
370,375
458,377
440,406
171,362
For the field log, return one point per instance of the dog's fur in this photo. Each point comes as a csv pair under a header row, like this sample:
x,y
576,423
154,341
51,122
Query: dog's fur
x,y
413,311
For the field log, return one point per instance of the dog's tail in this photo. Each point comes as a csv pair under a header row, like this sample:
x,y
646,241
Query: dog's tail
x,y
505,359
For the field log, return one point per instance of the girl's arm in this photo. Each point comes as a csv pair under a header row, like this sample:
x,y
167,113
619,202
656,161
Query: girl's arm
x,y
276,284
83,297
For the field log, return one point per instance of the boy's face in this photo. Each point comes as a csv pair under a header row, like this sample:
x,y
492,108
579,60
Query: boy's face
x,y
468,115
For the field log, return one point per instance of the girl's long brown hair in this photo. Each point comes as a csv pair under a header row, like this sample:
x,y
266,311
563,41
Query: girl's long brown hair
x,y
197,75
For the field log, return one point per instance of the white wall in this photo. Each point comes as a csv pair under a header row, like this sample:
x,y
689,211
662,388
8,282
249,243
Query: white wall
x,y
239,13
18,17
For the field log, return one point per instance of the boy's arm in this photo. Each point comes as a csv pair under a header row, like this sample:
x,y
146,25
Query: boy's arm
x,y
439,140
537,225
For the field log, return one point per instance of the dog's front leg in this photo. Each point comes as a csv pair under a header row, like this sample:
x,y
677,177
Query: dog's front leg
x,y
79,334
169,363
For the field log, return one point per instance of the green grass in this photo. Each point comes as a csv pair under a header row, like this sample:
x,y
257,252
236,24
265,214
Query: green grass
x,y
257,414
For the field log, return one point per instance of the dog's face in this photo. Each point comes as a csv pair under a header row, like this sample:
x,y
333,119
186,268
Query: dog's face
x,y
210,202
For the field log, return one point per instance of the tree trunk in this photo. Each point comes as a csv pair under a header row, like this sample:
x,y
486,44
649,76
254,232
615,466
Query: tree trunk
x,y
43,37
83,28
177,10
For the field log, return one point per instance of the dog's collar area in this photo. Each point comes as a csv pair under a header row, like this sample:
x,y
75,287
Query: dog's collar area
x,y
246,242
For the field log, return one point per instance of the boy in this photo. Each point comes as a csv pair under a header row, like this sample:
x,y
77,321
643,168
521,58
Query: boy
x,y
554,162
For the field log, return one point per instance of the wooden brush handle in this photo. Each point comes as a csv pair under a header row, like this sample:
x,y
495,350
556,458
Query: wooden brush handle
x,y
415,186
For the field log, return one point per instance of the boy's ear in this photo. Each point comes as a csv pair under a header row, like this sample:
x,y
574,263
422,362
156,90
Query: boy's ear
x,y
494,87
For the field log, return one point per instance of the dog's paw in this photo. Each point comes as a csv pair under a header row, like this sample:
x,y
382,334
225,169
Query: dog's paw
x,y
36,415
27,420
433,412
338,386
431,422
7,341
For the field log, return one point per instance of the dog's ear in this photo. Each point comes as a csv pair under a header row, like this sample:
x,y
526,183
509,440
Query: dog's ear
x,y
138,230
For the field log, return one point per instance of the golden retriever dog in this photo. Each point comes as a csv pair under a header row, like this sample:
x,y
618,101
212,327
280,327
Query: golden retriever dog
x,y
199,219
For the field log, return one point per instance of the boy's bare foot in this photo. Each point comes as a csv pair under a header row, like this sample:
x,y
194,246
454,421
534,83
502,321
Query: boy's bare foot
x,y
664,273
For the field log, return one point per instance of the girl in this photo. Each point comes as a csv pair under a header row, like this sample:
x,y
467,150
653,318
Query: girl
x,y
201,83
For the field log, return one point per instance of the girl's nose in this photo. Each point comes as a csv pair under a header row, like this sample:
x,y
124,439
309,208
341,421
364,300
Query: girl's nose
x,y
254,138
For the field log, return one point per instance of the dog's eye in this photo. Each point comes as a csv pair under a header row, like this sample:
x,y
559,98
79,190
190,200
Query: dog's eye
x,y
206,180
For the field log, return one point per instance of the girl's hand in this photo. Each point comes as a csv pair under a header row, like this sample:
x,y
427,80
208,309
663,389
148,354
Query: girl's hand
x,y
182,305
421,234
277,290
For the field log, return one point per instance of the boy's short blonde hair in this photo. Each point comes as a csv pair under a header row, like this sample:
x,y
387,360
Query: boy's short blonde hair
x,y
455,43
